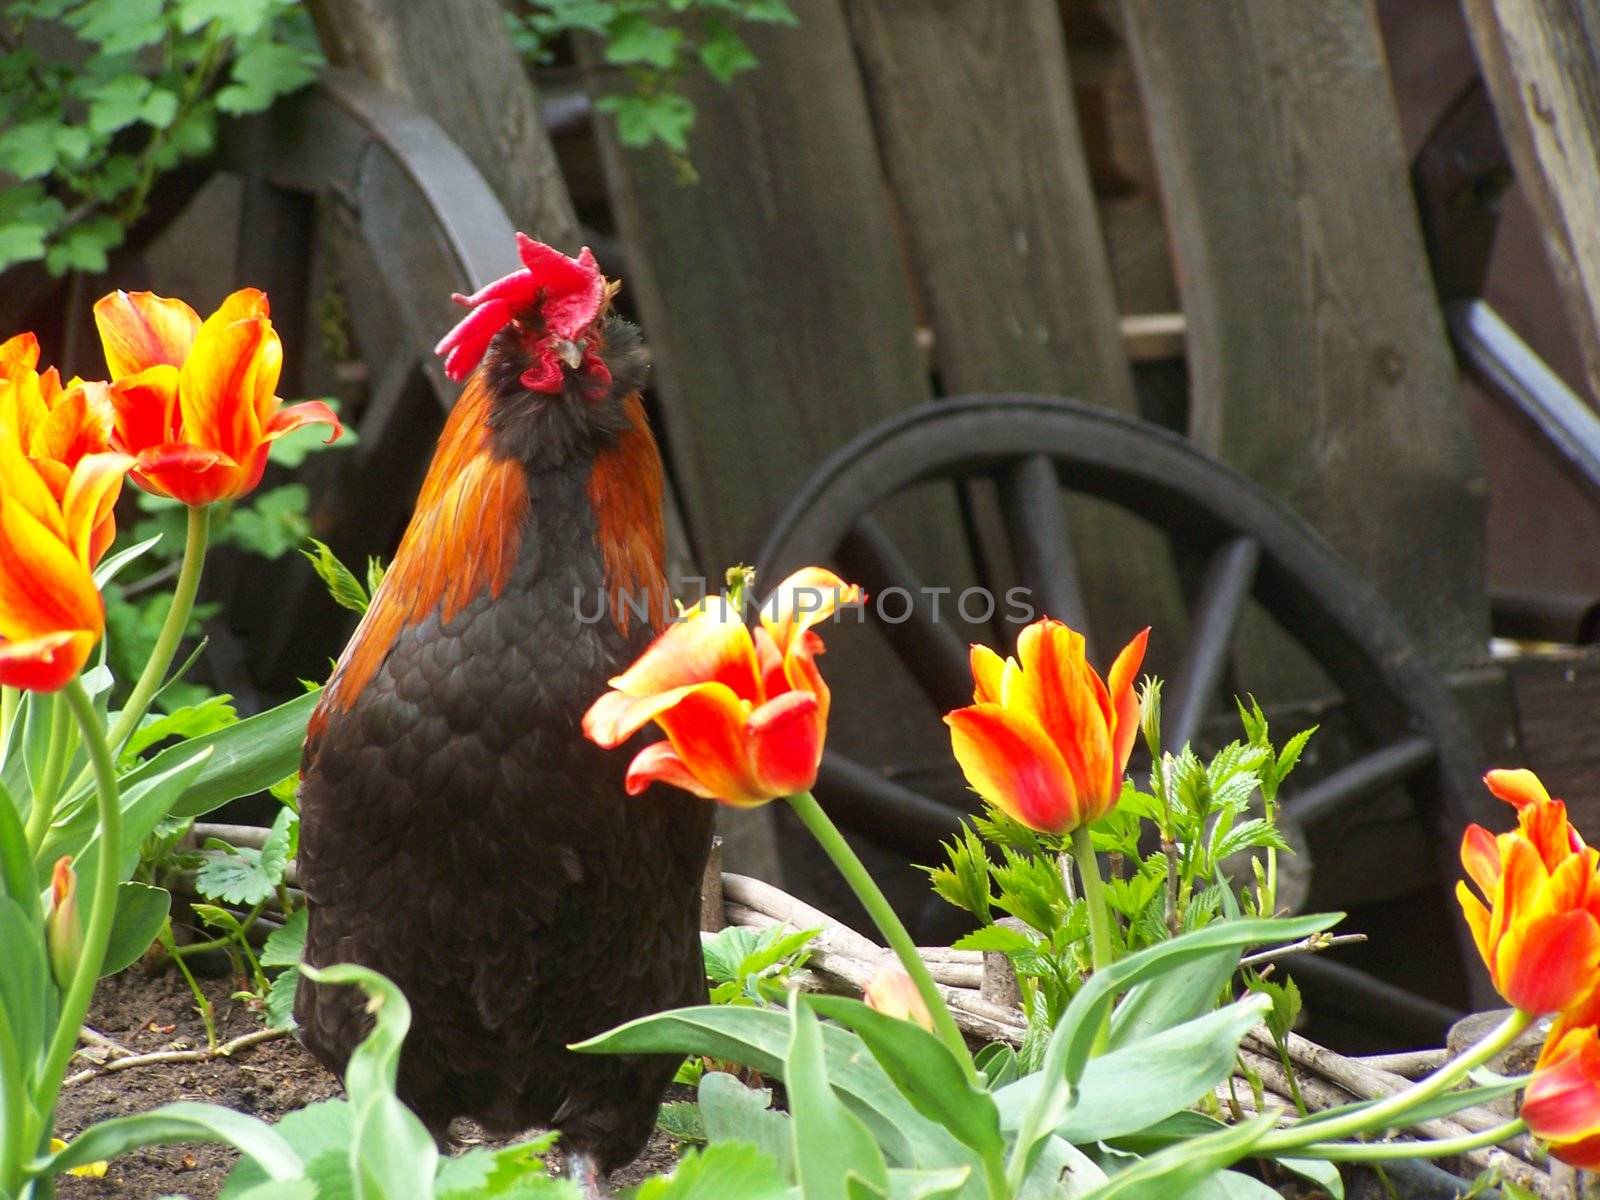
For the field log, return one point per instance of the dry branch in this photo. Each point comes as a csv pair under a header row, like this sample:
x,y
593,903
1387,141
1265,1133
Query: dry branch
x,y
167,1057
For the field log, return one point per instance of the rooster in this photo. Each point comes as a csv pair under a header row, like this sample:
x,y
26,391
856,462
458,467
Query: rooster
x,y
458,833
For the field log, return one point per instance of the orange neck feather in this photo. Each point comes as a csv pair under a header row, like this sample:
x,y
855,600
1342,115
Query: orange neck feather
x,y
464,537
625,492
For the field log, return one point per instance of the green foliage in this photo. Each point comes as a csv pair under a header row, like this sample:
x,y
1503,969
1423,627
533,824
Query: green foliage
x,y
99,98
654,45
750,966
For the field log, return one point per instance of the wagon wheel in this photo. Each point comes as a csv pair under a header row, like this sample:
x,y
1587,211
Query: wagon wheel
x,y
1253,548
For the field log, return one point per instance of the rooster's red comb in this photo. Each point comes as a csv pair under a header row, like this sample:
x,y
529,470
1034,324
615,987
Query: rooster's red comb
x,y
572,291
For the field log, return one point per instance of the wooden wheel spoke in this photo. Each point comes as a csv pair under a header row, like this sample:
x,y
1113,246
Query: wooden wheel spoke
x,y
1368,775
865,800
1041,544
1229,575
925,643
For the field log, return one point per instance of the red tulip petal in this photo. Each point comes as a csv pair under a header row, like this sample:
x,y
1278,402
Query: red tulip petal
x,y
707,729
44,588
190,474
145,406
47,663
616,716
91,494
988,670
808,597
785,743
140,330
1059,688
1480,857
1477,917
1010,761
1549,963
659,763
710,644
309,412
18,354
1124,700
1563,1099
1519,788
225,384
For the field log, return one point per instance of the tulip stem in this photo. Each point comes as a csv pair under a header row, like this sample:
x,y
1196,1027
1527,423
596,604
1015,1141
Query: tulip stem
x,y
55,767
1389,1112
872,899
1442,1148
172,630
102,905
1094,899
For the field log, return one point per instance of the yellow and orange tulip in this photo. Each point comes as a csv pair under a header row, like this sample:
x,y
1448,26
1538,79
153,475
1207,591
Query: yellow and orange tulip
x,y
1538,922
745,713
1562,1103
196,401
55,425
54,526
1046,740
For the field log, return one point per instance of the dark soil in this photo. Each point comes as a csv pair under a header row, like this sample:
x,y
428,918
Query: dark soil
x,y
147,1010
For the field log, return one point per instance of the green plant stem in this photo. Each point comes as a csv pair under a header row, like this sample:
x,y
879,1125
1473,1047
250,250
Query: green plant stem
x,y
166,647
55,768
230,938
1379,1151
201,1004
872,899
1388,1112
1094,899
102,905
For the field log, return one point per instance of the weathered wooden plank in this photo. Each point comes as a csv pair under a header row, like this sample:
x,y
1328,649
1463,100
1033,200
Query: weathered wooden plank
x,y
454,60
975,117
1317,356
1541,60
772,290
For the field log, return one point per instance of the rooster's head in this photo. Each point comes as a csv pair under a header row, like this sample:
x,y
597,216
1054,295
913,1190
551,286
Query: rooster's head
x,y
550,312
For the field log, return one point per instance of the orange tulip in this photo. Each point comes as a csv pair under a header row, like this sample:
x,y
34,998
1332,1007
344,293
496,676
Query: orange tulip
x,y
50,611
745,714
1047,740
195,401
55,425
63,926
1562,1103
1539,932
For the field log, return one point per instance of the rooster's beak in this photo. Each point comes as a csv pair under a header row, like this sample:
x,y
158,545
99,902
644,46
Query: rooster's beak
x,y
568,352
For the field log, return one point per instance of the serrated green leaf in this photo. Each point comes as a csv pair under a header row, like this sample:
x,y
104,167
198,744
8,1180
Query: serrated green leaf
x,y
634,38
285,946
341,583
731,1112
116,103
29,150
83,247
20,244
158,109
280,998
642,120
261,73
120,26
680,1121
236,18
724,53
274,522
190,721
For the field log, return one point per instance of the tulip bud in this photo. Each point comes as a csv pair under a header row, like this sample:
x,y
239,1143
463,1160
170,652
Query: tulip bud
x,y
63,931
892,993
1150,715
